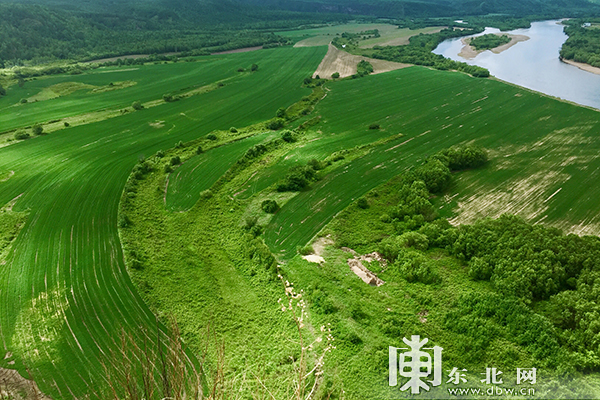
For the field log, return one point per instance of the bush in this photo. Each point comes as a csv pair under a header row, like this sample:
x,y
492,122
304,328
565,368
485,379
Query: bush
x,y
23,101
168,98
280,113
287,136
199,150
415,240
269,206
66,124
233,129
175,160
168,169
206,194
435,174
21,135
37,129
374,126
254,67
415,267
335,75
298,178
211,136
137,105
250,222
275,124
160,154
316,164
240,69
306,250
362,203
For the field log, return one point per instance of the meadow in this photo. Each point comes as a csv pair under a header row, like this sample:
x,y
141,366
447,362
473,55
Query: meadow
x,y
72,279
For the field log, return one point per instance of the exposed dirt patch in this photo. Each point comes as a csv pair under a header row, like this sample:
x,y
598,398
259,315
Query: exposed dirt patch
x,y
319,250
469,51
363,272
13,385
345,64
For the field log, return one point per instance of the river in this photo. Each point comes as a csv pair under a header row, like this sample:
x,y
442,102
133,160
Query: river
x,y
534,64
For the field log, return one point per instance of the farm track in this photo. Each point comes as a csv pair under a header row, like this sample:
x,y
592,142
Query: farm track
x,y
66,271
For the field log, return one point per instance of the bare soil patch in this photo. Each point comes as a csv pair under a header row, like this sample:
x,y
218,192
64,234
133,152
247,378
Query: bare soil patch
x,y
13,385
344,63
363,272
469,51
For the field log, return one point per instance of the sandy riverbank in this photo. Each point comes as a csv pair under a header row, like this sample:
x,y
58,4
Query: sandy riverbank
x,y
469,51
583,66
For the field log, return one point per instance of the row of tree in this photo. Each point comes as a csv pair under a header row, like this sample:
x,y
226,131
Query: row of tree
x,y
419,52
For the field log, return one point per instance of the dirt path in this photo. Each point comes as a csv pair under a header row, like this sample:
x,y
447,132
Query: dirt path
x,y
244,50
345,63
468,52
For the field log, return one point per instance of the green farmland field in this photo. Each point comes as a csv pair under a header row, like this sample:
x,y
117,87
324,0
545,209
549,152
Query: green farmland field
x,y
65,293
538,145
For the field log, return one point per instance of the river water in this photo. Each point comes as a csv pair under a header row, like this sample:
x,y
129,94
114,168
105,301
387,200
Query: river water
x,y
534,64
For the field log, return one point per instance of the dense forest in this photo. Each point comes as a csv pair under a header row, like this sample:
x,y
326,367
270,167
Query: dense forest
x,y
583,44
545,284
39,33
434,8
44,30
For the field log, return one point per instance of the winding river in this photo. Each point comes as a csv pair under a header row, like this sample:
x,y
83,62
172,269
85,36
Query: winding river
x,y
534,64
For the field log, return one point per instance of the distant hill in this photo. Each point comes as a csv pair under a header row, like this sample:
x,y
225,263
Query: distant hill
x,y
433,8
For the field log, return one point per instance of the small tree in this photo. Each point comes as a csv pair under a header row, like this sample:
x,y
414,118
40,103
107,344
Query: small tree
x,y
374,126
37,129
21,135
280,113
199,150
211,136
175,160
254,67
287,136
269,206
137,105
233,129
335,75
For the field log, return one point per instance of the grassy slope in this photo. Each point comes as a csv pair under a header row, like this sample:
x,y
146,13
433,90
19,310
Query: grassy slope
x,y
528,133
72,181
